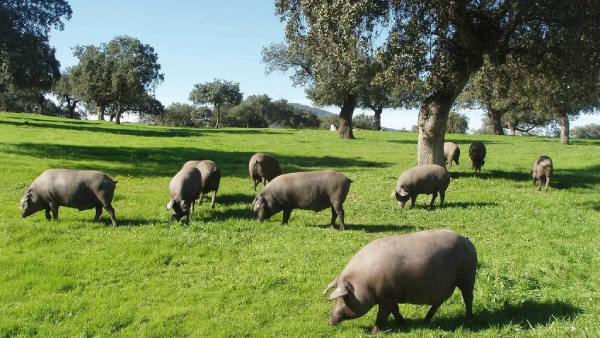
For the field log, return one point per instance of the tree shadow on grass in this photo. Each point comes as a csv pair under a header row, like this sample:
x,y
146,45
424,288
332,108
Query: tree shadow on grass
x,y
527,316
106,128
561,179
166,161
129,129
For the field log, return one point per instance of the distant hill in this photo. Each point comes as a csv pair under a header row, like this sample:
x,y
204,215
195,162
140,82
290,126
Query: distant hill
x,y
316,111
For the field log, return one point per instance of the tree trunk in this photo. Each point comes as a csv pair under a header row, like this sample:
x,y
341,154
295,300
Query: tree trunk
x,y
112,117
41,101
345,129
217,116
101,109
496,117
563,122
433,118
71,109
119,113
377,118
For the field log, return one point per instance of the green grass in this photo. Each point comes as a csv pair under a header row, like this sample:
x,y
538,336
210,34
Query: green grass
x,y
228,275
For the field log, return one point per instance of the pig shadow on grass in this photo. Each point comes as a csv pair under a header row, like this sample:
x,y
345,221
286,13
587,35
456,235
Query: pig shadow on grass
x,y
215,215
229,199
527,316
466,205
374,228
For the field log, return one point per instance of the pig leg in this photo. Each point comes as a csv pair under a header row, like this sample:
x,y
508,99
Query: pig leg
x,y
54,209
98,213
397,314
442,197
264,182
467,294
413,201
540,184
48,216
547,183
333,217
286,216
255,183
382,315
432,311
200,199
214,199
337,210
111,213
433,197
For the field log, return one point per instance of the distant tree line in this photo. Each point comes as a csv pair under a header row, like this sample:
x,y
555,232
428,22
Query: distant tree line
x,y
220,103
526,64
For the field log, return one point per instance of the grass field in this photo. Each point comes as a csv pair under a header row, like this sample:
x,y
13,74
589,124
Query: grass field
x,y
228,275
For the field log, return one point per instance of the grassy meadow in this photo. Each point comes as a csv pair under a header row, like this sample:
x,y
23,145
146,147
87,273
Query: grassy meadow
x,y
228,275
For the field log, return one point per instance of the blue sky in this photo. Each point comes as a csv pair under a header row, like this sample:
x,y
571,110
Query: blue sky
x,y
198,41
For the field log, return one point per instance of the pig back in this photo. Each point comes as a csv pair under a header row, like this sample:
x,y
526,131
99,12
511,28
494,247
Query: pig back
x,y
74,188
418,268
309,190
186,184
211,175
424,179
477,151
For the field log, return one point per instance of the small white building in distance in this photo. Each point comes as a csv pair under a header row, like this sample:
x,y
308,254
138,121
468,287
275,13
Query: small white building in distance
x,y
332,128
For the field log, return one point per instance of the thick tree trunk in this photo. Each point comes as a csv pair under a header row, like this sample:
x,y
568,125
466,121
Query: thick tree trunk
x,y
345,129
563,122
433,118
496,117
377,118
101,109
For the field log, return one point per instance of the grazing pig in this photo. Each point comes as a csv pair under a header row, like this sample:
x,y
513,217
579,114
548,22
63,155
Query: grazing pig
x,y
211,178
263,168
423,179
451,153
542,169
185,187
79,189
315,190
420,268
477,155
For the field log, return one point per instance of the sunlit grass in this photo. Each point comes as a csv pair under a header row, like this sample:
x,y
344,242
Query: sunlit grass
x,y
228,275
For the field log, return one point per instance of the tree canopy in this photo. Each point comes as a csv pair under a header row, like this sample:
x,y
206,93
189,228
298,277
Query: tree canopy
x,y
429,48
26,58
217,93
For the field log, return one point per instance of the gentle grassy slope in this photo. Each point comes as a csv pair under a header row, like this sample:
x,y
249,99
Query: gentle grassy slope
x,y
228,275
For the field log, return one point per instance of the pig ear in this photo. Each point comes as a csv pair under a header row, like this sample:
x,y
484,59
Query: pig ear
x,y
342,289
170,205
330,286
403,192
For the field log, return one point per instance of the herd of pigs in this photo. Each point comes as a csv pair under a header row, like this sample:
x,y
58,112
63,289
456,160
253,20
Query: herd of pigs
x,y
419,268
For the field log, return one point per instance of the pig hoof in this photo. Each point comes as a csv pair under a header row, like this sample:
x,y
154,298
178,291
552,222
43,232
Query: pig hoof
x,y
375,330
